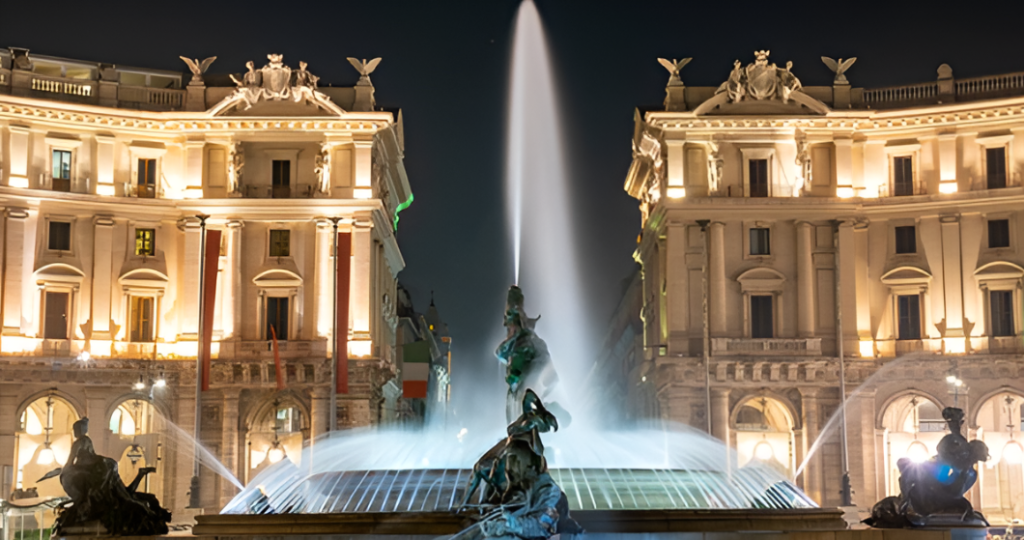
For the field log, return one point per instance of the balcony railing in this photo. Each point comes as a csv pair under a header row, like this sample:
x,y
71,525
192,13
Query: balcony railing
x,y
990,84
166,98
60,85
771,347
300,191
913,92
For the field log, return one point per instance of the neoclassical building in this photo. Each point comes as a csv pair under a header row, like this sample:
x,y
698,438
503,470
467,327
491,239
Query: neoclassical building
x,y
885,225
103,172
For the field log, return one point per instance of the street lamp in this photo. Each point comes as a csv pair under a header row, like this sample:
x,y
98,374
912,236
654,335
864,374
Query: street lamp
x,y
46,454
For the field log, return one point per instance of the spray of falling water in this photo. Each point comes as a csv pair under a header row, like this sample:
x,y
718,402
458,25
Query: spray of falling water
x,y
181,442
540,213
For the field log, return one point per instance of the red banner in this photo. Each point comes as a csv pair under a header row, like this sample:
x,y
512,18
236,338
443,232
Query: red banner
x,y
277,360
344,264
209,300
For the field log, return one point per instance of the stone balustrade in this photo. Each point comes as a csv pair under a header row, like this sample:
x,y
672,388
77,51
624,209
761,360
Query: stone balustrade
x,y
761,347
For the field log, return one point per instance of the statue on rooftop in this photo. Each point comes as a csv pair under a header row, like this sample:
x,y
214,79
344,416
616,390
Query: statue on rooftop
x,y
932,492
760,80
520,500
674,66
98,494
197,68
839,68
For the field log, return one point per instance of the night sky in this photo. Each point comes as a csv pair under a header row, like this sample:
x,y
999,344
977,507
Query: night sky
x,y
446,66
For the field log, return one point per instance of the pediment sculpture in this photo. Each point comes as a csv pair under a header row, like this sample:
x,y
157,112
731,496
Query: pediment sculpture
x,y
760,80
276,82
761,88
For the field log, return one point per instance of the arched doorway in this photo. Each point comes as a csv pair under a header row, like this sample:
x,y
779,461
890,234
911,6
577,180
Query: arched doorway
x,y
913,426
277,433
764,433
1001,478
42,444
136,442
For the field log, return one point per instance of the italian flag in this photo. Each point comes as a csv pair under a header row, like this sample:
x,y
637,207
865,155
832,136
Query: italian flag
x,y
415,369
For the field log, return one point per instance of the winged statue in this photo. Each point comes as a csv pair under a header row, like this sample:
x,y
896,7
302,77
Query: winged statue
x,y
363,67
839,68
198,68
674,66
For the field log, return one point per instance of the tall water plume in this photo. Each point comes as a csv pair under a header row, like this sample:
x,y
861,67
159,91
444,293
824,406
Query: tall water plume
x,y
540,214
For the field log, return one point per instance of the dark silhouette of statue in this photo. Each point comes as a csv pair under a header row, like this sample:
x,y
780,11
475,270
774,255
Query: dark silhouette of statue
x,y
932,492
520,500
98,494
526,359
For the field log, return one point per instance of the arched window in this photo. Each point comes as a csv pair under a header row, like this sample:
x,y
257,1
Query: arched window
x,y
42,444
277,433
913,427
1001,478
764,433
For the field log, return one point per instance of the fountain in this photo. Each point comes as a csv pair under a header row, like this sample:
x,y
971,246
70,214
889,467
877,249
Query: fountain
x,y
400,480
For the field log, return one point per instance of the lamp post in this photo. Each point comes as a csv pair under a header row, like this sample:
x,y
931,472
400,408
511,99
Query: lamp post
x,y
846,492
706,335
333,414
193,492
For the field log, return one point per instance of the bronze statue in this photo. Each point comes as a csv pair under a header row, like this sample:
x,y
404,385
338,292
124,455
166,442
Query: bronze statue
x,y
525,357
97,493
520,500
932,492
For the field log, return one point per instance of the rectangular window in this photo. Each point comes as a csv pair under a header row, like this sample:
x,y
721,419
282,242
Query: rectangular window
x,y
59,236
145,242
760,241
142,319
998,233
55,325
995,167
1001,310
758,177
281,178
147,178
277,318
903,176
909,307
279,243
761,318
62,170
906,239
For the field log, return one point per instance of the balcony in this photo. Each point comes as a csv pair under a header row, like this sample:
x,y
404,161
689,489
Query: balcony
x,y
142,97
263,350
300,191
766,347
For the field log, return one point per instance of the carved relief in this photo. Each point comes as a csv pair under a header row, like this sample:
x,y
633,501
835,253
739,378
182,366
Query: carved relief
x,y
760,80
322,167
277,82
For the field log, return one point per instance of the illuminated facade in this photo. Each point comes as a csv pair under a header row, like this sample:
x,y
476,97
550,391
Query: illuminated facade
x,y
910,198
103,170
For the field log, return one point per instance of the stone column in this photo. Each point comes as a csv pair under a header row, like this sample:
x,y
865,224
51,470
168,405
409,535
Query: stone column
x,y
716,281
844,167
805,278
864,467
862,283
105,166
720,414
232,293
189,314
229,443
319,409
8,423
178,469
845,272
359,299
14,244
811,421
324,280
676,288
102,279
953,337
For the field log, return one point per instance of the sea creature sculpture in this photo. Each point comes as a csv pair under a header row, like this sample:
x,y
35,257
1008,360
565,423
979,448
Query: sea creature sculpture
x,y
97,493
932,492
520,500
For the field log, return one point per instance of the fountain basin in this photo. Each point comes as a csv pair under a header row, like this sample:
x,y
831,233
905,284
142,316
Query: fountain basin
x,y
595,521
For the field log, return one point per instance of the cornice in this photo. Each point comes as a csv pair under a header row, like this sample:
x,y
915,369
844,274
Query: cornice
x,y
61,114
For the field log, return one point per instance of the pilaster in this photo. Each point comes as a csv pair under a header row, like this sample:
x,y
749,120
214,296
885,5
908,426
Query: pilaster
x,y
716,281
676,288
102,278
805,278
189,314
811,421
229,443
14,270
720,414
844,167
359,300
